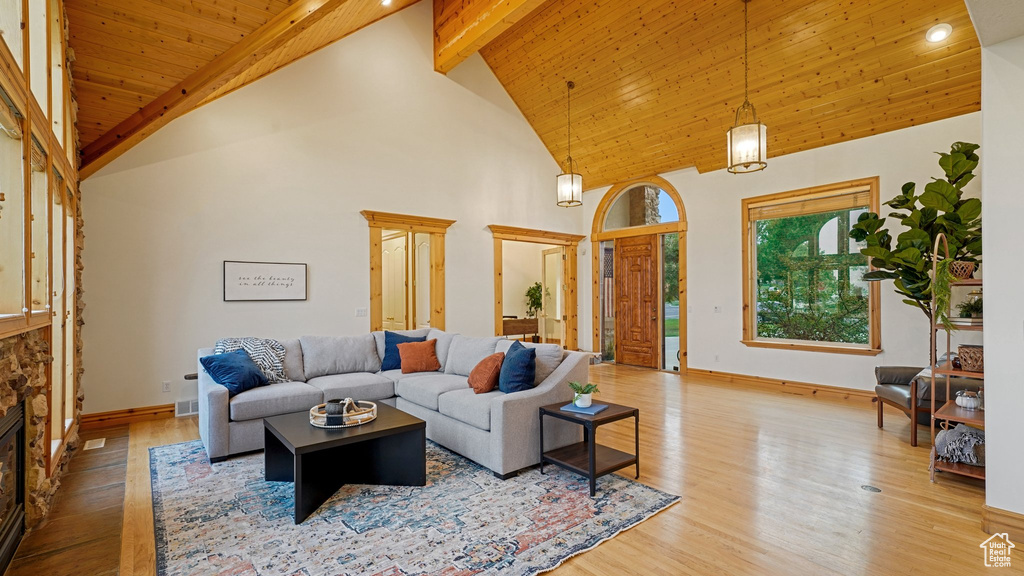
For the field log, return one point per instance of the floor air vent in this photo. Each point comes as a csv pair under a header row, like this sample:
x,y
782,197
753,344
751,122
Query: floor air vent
x,y
186,407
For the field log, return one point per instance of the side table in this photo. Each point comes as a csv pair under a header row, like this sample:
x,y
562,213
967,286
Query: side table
x,y
589,458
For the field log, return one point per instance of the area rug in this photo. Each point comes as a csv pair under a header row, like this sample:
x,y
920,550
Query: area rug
x,y
225,519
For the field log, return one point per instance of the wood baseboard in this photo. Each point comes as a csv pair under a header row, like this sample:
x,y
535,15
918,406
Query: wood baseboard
x,y
997,520
788,386
121,417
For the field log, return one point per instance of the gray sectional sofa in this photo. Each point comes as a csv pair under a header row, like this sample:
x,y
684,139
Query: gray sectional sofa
x,y
497,430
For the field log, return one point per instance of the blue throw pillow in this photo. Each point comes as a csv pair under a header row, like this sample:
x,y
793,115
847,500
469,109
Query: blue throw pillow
x,y
392,361
234,370
518,369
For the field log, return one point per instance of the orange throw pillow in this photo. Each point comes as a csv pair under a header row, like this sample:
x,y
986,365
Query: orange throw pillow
x,y
484,376
418,357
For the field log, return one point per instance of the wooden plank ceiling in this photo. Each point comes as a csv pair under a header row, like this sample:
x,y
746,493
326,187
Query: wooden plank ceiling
x,y
658,81
141,63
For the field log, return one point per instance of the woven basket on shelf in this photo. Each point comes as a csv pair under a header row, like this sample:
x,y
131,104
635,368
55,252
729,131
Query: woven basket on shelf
x,y
962,270
972,358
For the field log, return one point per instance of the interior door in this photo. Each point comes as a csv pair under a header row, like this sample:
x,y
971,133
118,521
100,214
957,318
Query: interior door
x,y
552,287
393,268
637,283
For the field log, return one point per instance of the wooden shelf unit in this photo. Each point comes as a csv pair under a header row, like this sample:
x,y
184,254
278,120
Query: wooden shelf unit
x,y
950,412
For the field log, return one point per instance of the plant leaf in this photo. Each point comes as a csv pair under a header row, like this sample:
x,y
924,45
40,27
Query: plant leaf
x,y
969,210
940,195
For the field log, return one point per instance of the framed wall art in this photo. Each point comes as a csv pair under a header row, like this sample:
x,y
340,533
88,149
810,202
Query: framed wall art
x,y
254,281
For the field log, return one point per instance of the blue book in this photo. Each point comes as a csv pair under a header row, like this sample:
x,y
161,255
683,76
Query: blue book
x,y
593,409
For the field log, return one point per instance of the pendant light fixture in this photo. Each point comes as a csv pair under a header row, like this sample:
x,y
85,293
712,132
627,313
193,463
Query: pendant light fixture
x,y
747,140
570,183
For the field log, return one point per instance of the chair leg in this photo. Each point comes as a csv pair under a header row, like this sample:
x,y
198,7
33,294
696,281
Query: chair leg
x,y
879,402
913,421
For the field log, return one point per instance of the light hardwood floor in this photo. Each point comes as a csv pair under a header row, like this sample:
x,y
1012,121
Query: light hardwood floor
x,y
770,484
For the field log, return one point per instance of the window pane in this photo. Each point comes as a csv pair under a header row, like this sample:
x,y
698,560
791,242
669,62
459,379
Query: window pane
x,y
809,279
37,51
58,338
12,226
641,205
10,29
69,314
56,72
670,300
607,262
40,240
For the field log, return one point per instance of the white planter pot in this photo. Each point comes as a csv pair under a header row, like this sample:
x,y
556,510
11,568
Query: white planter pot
x,y
583,400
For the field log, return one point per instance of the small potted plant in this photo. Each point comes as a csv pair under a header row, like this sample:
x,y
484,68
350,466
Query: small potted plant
x,y
583,393
971,308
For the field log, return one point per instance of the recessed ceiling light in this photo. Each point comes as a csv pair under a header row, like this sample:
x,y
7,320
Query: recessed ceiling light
x,y
938,33
385,2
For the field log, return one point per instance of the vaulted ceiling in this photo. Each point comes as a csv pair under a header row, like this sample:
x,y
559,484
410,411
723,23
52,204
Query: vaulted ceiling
x,y
141,63
658,81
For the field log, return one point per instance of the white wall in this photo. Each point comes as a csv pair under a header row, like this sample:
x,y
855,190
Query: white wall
x,y
714,240
278,171
521,266
1002,83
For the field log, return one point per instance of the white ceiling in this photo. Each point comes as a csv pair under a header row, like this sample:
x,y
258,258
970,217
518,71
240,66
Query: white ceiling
x,y
996,20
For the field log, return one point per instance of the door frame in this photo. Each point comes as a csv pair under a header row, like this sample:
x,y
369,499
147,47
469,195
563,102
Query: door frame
x,y
543,279
598,235
569,242
436,227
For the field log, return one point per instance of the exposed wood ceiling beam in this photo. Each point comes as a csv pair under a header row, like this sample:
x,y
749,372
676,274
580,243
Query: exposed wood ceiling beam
x,y
185,95
461,27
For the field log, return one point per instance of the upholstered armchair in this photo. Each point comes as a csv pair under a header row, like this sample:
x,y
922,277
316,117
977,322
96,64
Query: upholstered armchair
x,y
908,388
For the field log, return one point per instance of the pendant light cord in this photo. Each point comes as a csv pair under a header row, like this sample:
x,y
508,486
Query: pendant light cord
x,y
568,121
746,53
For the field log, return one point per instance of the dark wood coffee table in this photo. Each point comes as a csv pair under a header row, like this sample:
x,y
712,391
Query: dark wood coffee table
x,y
391,450
588,457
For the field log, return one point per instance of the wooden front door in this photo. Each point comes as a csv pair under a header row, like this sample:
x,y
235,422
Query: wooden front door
x,y
636,306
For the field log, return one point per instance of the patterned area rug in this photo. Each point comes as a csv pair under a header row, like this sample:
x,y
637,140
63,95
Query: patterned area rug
x,y
225,519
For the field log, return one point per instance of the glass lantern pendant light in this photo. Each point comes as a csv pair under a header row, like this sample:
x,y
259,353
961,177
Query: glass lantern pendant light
x,y
747,140
570,182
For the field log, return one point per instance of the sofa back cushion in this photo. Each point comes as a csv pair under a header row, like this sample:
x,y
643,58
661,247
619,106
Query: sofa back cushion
x,y
379,339
418,357
293,360
465,353
549,357
444,343
324,355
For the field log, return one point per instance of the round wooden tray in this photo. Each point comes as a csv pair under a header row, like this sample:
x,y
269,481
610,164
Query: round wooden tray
x,y
367,413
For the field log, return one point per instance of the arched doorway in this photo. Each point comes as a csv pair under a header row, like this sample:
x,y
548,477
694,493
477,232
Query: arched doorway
x,y
639,275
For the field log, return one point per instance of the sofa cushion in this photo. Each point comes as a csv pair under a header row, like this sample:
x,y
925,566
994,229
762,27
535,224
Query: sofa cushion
x,y
467,406
274,399
465,353
234,370
391,358
396,375
323,355
418,357
444,344
357,385
380,342
423,390
518,370
293,360
484,377
549,356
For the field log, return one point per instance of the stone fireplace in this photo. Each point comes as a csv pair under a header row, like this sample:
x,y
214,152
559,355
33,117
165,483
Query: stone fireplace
x,y
12,481
23,387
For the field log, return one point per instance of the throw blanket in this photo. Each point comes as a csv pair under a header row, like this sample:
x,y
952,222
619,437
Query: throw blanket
x,y
265,353
961,444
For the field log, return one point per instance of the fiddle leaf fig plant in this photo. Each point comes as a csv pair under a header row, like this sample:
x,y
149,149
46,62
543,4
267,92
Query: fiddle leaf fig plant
x,y
939,209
